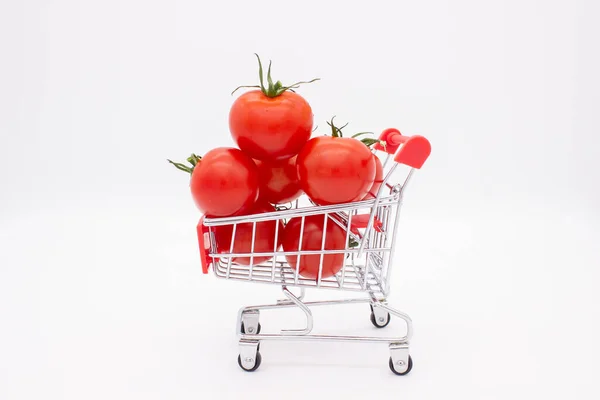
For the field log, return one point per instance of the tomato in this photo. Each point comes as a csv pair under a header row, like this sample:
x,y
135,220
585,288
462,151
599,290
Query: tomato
x,y
224,182
272,123
278,181
312,238
335,170
378,179
270,128
264,239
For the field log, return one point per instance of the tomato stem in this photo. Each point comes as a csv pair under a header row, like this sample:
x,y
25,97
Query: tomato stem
x,y
272,89
362,133
193,160
370,142
337,132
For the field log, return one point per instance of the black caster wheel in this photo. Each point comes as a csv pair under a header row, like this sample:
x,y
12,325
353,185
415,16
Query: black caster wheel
x,y
257,362
410,365
253,333
377,323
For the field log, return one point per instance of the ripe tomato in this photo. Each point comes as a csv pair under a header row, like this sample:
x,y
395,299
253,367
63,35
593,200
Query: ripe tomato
x,y
223,182
264,239
272,123
270,128
278,181
312,238
378,179
335,170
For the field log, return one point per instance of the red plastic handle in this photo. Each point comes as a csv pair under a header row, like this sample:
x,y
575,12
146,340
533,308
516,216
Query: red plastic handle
x,y
414,151
204,245
361,221
391,138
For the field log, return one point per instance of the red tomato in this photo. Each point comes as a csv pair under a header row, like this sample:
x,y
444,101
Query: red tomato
x,y
312,238
223,182
272,123
378,179
278,181
264,239
335,170
270,128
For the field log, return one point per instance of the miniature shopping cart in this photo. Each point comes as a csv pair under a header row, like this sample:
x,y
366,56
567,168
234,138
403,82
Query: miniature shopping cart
x,y
370,227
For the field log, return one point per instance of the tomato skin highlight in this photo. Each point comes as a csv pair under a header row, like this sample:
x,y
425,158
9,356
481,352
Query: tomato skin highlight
x,y
334,170
312,238
378,181
225,182
278,181
270,128
264,240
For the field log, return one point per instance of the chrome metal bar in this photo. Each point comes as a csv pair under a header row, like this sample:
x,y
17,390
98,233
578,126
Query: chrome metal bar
x,y
307,303
329,285
298,252
252,249
410,174
309,317
304,211
320,273
302,294
300,237
347,247
385,255
231,248
387,159
275,250
376,204
338,338
396,221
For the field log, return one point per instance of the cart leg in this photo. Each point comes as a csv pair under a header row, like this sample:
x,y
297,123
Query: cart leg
x,y
249,323
404,317
249,358
400,360
298,302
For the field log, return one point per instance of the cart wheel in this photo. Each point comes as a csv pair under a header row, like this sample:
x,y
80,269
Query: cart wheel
x,y
252,333
410,365
257,362
380,322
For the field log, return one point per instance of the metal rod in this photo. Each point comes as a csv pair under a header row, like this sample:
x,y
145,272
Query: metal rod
x,y
396,221
375,205
305,211
349,227
299,252
300,237
309,317
231,248
335,338
307,303
320,273
275,251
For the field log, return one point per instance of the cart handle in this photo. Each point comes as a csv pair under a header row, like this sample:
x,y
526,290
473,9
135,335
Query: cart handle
x,y
414,151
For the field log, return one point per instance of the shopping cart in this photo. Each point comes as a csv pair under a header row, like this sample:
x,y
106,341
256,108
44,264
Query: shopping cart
x,y
370,227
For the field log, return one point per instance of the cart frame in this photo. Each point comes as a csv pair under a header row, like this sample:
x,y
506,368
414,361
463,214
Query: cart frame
x,y
366,267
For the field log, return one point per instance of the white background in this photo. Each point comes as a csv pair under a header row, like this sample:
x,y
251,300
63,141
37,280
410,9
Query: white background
x,y
101,292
